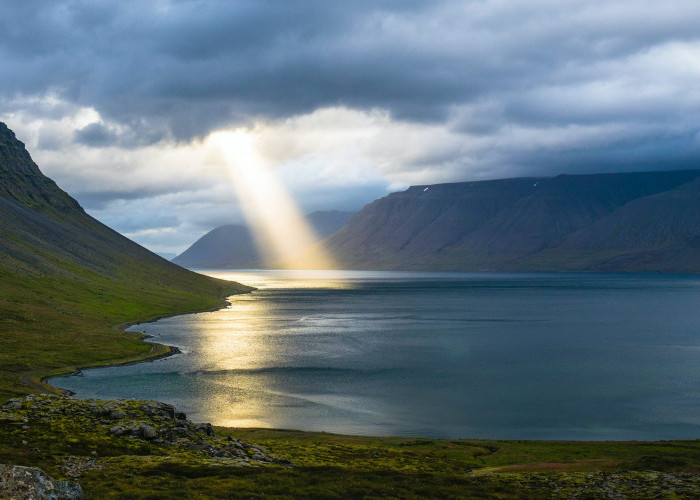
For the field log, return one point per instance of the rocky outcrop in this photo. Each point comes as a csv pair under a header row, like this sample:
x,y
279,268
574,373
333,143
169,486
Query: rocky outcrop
x,y
152,422
30,483
79,436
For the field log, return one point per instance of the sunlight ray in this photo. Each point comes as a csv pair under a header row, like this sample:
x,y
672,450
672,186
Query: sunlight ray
x,y
280,229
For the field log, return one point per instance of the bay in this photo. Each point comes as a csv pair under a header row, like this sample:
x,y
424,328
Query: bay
x,y
444,355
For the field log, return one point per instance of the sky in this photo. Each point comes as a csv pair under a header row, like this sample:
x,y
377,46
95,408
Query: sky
x,y
344,102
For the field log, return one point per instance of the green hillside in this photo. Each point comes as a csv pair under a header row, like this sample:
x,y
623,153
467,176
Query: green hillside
x,y
66,280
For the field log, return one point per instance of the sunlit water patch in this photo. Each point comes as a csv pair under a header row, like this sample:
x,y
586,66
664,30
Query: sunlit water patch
x,y
531,356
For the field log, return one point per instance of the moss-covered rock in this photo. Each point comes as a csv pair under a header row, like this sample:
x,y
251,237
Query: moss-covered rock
x,y
104,428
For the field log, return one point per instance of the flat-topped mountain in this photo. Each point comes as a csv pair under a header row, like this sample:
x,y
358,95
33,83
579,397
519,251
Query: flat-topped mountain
x,y
233,246
67,278
647,221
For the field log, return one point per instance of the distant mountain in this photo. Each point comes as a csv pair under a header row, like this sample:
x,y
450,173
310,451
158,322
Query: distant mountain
x,y
230,246
66,278
233,246
648,221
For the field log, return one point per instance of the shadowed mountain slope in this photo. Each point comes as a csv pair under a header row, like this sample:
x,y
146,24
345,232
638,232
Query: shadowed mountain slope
x,y
67,278
233,246
619,222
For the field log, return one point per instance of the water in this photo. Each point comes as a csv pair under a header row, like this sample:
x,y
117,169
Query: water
x,y
487,355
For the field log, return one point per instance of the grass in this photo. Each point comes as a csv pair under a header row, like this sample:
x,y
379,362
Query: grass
x,y
53,325
71,439
468,454
330,466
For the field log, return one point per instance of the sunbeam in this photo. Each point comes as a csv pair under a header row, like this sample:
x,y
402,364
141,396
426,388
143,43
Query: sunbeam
x,y
280,229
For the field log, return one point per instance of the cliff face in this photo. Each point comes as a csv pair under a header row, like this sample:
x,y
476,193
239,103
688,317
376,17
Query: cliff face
x,y
616,222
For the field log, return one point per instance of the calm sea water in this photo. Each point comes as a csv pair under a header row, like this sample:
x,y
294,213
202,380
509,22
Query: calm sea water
x,y
517,356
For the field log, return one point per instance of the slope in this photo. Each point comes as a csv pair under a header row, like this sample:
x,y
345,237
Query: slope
x,y
659,232
66,279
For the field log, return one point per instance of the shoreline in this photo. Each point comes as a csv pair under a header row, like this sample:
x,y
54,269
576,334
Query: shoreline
x,y
170,350
158,351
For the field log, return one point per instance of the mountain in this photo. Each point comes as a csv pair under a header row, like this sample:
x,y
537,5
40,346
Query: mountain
x,y
66,279
645,221
233,246
230,246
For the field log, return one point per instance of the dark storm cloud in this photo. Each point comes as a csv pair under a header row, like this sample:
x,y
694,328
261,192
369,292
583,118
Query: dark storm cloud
x,y
188,67
183,68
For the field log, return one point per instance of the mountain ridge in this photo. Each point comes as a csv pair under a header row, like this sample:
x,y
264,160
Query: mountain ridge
x,y
23,181
522,224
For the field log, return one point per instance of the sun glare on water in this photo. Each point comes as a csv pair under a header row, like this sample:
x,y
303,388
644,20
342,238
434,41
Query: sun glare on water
x,y
283,236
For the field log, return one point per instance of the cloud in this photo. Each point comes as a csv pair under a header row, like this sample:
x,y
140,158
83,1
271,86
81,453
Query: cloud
x,y
186,68
348,99
95,134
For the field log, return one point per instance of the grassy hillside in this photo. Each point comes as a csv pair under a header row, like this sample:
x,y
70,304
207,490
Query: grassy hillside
x,y
66,280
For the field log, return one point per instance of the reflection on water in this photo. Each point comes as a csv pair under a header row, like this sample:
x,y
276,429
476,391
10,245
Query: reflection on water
x,y
435,354
255,349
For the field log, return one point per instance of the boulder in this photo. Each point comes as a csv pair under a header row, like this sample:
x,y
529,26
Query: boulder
x,y
117,415
147,432
30,483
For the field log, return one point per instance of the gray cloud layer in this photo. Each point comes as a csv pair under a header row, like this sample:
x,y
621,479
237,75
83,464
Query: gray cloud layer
x,y
186,67
532,87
